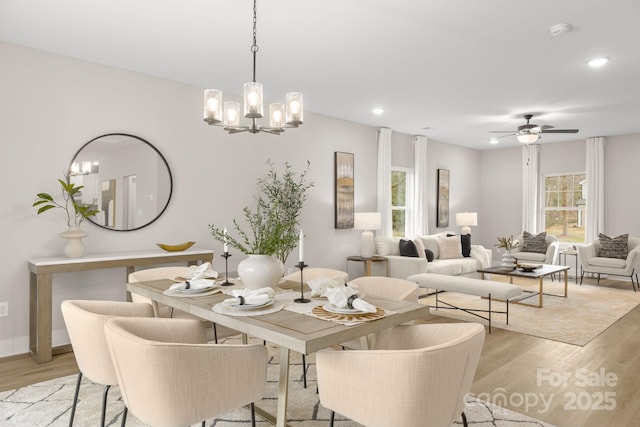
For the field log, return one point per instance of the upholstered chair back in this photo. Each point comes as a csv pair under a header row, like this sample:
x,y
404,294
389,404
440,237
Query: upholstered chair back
x,y
169,376
155,274
416,375
85,324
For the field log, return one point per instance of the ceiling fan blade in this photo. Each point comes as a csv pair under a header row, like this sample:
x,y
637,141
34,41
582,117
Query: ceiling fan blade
x,y
560,131
545,127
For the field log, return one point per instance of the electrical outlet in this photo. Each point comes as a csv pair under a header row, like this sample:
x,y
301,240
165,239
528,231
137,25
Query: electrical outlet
x,y
4,308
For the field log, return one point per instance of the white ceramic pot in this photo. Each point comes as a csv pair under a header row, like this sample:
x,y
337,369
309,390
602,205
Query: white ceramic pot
x,y
508,261
258,271
74,248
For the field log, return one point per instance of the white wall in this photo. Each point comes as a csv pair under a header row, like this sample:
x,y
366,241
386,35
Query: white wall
x,y
51,105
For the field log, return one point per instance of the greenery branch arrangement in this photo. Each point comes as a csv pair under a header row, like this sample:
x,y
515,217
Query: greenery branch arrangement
x,y
507,243
75,211
273,223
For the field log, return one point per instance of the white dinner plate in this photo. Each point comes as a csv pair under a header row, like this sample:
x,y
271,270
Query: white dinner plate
x,y
247,306
341,310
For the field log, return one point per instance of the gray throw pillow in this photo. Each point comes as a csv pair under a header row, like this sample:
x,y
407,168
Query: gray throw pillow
x,y
614,247
534,243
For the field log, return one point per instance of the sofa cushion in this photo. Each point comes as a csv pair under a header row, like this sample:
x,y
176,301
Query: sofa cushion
x,y
408,248
608,262
429,254
613,247
386,245
420,247
534,243
450,247
530,257
465,241
431,243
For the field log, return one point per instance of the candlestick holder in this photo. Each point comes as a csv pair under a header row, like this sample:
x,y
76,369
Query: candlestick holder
x,y
226,282
301,265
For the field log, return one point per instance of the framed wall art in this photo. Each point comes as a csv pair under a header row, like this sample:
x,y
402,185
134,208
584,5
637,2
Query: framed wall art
x,y
344,183
443,198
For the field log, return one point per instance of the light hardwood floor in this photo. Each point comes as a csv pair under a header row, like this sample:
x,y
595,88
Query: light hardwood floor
x,y
511,365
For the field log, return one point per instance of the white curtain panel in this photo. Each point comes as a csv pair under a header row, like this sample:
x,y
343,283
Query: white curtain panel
x,y
531,218
384,180
420,195
594,222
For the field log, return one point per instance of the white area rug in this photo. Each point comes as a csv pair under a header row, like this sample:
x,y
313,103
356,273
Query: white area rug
x,y
577,319
49,404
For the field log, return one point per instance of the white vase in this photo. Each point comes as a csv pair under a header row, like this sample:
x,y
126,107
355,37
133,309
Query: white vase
x,y
259,271
508,261
74,248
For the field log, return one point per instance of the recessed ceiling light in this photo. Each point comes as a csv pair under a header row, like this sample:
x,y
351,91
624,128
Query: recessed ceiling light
x,y
493,140
377,111
598,62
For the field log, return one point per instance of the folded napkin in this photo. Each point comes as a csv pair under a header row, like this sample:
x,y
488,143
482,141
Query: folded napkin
x,y
193,284
347,297
201,271
251,297
320,285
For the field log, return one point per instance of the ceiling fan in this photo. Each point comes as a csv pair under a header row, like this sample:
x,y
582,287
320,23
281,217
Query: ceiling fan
x,y
529,132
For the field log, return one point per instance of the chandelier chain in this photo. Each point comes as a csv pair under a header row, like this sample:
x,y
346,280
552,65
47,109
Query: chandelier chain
x,y
254,46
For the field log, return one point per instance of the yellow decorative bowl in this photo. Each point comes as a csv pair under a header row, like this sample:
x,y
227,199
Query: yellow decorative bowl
x,y
176,248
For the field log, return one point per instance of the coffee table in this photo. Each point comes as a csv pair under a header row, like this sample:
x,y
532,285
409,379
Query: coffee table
x,y
539,273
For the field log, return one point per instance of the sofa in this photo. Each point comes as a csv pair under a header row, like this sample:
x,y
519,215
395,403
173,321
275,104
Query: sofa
x,y
404,266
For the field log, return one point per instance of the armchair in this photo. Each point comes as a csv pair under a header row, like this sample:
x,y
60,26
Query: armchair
x,y
595,264
549,257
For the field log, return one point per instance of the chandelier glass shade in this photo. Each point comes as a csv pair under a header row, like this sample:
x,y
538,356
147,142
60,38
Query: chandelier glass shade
x,y
227,114
528,138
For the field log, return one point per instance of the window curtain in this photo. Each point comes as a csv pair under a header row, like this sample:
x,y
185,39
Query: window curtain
x,y
420,193
594,222
531,218
384,180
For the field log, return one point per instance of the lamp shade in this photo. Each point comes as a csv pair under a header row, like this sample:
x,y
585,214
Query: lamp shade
x,y
367,220
528,138
466,219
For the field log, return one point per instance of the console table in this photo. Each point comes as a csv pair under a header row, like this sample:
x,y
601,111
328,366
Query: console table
x,y
41,272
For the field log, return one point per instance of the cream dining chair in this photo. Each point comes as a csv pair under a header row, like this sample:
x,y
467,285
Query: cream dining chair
x,y
170,377
85,324
214,331
383,287
415,376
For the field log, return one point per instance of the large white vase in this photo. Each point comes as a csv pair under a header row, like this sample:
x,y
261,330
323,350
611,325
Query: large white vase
x,y
74,248
259,271
508,261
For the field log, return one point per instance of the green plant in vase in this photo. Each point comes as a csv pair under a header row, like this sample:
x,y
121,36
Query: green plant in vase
x,y
273,224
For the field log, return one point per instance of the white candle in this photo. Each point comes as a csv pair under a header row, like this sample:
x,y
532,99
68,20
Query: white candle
x,y
226,247
301,247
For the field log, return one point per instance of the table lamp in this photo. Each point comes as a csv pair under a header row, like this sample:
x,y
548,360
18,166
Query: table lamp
x,y
466,220
367,221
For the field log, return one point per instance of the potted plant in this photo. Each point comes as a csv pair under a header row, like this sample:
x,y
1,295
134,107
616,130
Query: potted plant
x,y
273,224
76,214
508,244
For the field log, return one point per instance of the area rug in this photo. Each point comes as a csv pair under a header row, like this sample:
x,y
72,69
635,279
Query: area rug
x,y
48,404
583,315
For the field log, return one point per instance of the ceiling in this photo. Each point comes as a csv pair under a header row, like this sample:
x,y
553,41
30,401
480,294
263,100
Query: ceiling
x,y
449,69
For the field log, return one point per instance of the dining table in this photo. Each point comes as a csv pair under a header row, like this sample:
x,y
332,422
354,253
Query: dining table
x,y
292,326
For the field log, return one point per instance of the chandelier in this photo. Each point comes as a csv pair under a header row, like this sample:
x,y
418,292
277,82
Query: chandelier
x,y
227,114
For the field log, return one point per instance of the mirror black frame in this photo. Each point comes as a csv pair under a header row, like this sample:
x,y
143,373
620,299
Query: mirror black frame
x,y
164,160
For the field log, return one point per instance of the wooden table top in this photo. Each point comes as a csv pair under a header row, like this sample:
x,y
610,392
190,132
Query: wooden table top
x,y
545,270
299,332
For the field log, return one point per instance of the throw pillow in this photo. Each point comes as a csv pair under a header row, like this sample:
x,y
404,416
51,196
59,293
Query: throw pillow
x,y
408,248
419,246
429,254
614,247
449,247
534,243
465,241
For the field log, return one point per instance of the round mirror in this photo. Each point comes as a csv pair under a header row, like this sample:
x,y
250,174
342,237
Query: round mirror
x,y
125,178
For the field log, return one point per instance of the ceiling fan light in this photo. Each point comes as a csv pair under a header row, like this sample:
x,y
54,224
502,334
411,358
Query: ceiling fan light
x,y
528,138
598,62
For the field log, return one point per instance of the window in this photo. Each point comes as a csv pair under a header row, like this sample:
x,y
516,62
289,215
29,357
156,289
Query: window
x,y
564,206
401,200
